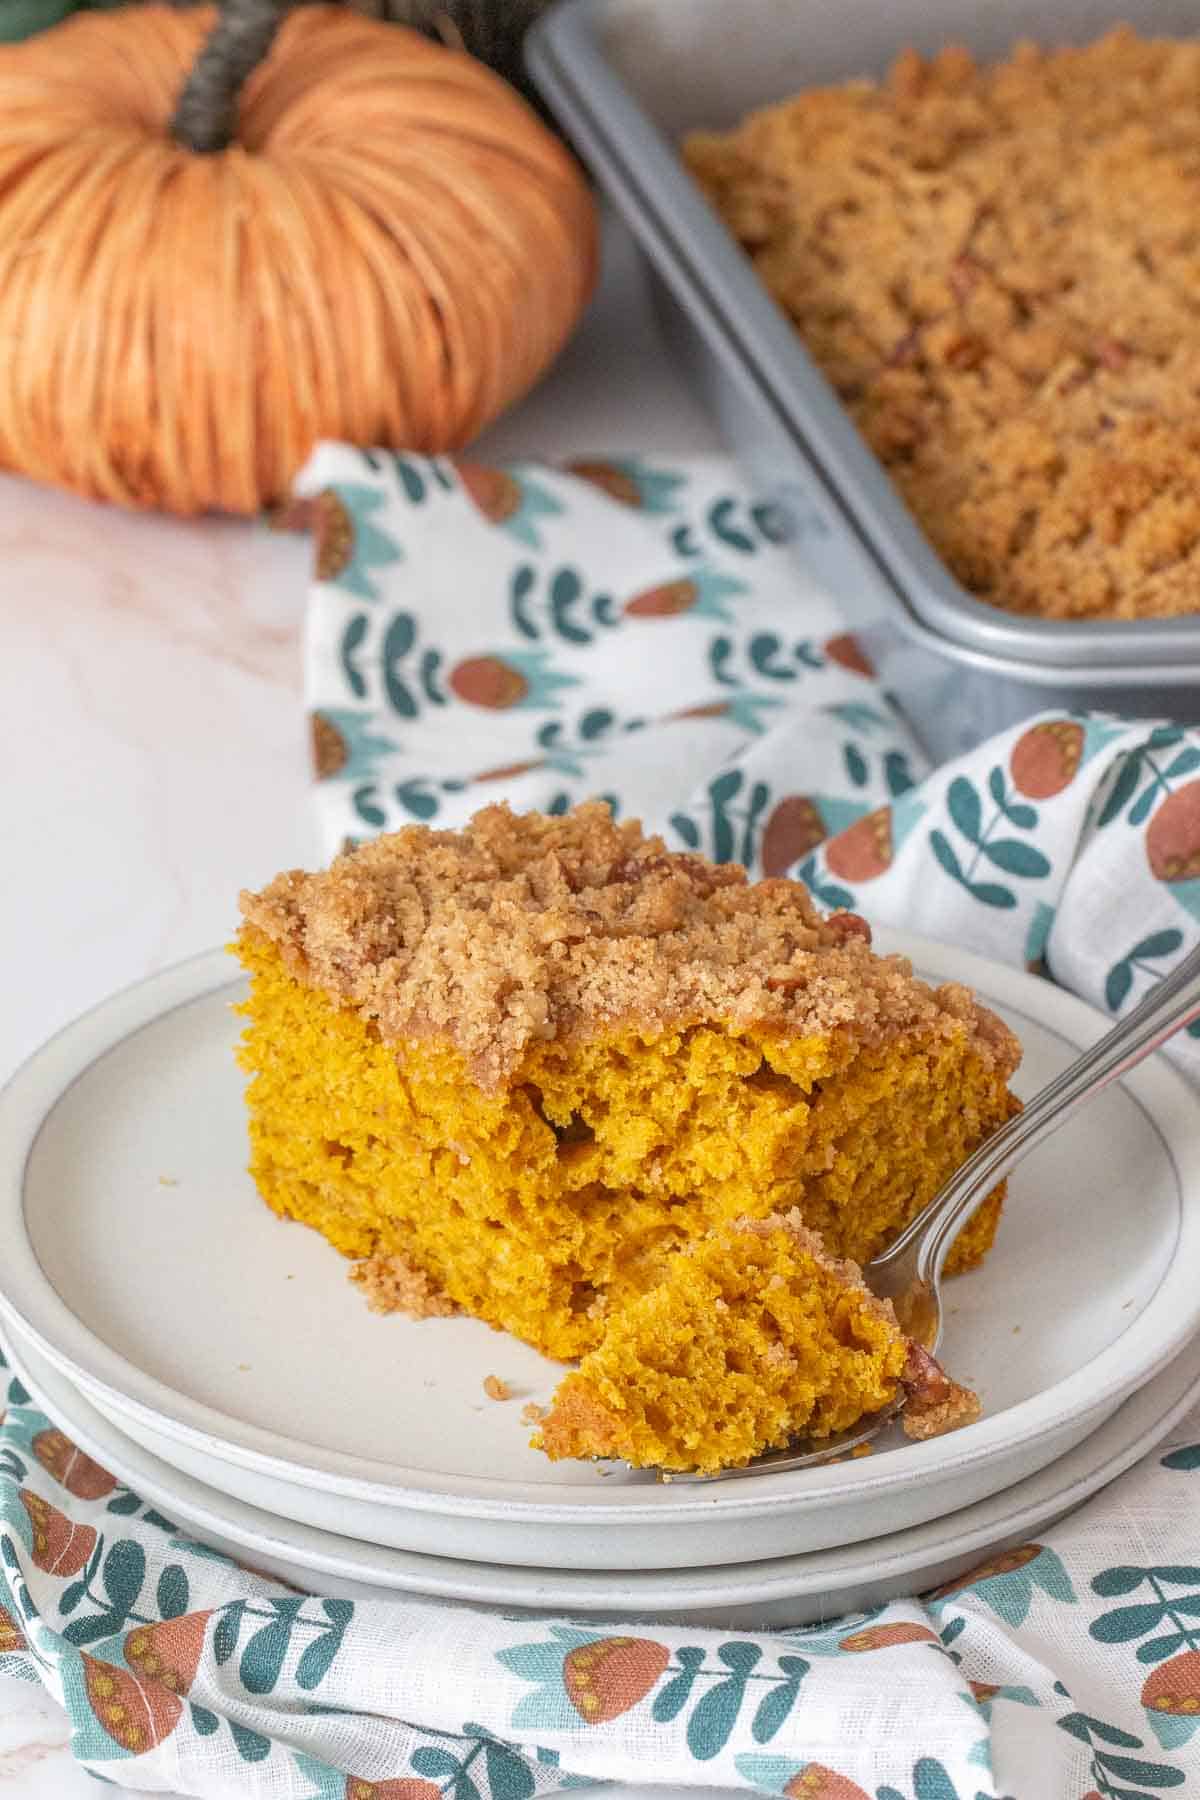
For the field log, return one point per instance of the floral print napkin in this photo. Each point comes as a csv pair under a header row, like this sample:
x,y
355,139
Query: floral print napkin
x,y
647,634
643,632
1067,1669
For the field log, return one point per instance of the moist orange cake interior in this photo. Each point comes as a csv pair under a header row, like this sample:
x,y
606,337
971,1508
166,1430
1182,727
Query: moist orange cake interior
x,y
516,1069
754,1337
997,269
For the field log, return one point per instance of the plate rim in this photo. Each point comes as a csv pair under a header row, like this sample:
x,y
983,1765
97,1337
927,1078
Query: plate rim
x,y
28,1298
777,1578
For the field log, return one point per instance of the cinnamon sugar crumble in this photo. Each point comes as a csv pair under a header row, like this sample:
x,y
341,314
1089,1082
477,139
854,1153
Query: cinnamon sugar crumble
x,y
996,268
526,927
390,1284
496,1388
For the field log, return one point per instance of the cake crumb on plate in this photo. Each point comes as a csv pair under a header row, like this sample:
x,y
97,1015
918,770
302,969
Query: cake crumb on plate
x,y
391,1284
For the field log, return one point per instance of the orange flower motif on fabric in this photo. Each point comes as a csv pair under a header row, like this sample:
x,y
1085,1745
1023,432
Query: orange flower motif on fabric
x,y
1173,836
403,1787
12,1638
616,482
609,1677
60,1546
168,1653
816,1782
329,750
664,602
334,529
864,850
794,828
708,709
848,653
509,771
1005,1564
1046,758
886,1637
1174,1687
983,1690
137,1715
494,491
488,681
71,1467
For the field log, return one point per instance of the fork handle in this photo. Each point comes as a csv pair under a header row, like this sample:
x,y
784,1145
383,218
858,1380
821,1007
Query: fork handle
x,y
1171,1003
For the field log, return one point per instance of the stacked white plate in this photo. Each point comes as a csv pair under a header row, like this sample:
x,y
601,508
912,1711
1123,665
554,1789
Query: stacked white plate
x,y
220,1362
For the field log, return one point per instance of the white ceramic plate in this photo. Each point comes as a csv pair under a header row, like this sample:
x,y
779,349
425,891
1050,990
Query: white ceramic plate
x,y
793,1590
136,1255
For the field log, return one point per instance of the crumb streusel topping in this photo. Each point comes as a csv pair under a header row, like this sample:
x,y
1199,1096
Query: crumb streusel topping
x,y
524,927
999,270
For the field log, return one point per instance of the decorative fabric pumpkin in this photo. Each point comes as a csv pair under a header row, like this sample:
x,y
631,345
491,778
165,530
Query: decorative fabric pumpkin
x,y
390,252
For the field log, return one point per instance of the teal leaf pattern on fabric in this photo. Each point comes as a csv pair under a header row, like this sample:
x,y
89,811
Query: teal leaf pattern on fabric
x,y
827,893
353,636
1148,950
776,1704
856,765
1015,858
715,1713
564,609
251,1746
262,1657
770,1773
1010,1586
417,799
673,1698
1106,1741
1145,759
1037,937
173,1591
722,522
861,717
122,1573
965,808
1011,855
931,1782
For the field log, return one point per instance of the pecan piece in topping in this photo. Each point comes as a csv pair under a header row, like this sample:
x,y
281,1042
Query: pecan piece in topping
x,y
935,1403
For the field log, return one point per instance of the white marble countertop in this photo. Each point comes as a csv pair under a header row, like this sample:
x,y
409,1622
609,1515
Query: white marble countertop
x,y
155,752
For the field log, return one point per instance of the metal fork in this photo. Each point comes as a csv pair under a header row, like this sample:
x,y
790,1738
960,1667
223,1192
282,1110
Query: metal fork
x,y
909,1272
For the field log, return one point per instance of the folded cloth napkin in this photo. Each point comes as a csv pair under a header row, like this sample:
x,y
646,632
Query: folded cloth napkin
x,y
643,632
647,634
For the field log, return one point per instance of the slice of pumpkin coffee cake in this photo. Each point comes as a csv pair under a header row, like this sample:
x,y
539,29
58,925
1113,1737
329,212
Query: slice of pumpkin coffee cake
x,y
515,1069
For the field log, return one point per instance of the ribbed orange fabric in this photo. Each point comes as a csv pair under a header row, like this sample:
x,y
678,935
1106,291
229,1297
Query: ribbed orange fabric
x,y
391,253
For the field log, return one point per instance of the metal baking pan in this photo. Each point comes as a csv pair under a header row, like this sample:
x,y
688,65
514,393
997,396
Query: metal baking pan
x,y
627,79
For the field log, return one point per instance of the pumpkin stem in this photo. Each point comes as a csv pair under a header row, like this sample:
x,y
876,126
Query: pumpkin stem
x,y
206,113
